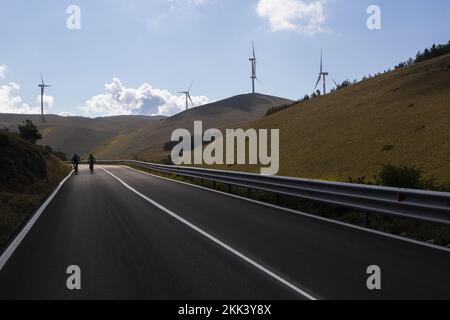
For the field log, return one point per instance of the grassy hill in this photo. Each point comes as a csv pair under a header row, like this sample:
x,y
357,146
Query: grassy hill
x,y
139,136
78,134
400,117
28,173
148,141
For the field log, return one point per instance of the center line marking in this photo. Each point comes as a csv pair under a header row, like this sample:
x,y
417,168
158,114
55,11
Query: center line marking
x,y
214,239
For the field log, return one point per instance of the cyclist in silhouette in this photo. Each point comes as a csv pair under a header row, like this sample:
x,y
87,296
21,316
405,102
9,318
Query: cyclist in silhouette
x,y
91,161
75,162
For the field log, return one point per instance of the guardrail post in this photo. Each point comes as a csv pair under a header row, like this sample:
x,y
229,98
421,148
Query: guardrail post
x,y
366,221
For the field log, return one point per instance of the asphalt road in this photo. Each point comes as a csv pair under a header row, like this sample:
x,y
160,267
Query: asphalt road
x,y
158,239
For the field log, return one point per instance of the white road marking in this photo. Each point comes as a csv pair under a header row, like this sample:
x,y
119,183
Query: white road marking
x,y
340,223
16,242
214,239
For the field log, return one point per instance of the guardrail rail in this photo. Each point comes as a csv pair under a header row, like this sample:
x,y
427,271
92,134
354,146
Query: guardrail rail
x,y
431,206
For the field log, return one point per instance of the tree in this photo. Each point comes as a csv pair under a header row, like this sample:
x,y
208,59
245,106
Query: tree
x,y
29,132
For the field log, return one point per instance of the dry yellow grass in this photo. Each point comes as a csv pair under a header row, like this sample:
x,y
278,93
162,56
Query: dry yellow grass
x,y
147,142
343,134
77,134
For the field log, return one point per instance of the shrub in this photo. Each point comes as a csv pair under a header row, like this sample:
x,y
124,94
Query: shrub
x,y
359,180
344,84
433,52
60,155
29,132
402,177
4,139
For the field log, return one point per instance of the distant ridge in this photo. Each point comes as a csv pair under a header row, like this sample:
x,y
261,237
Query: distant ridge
x,y
135,136
78,134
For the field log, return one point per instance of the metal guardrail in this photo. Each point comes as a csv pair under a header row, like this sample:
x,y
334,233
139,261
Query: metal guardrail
x,y
423,205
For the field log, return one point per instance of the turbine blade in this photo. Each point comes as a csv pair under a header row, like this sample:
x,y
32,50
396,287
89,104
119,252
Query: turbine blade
x,y
335,83
192,102
42,79
253,46
190,87
318,80
321,61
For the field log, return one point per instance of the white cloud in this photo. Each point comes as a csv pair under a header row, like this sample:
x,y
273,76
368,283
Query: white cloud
x,y
293,15
49,101
144,100
2,71
11,102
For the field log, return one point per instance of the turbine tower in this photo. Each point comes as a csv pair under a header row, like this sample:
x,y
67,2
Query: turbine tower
x,y
322,75
43,86
188,97
253,62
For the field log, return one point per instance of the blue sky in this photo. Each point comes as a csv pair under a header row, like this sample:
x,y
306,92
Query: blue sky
x,y
132,57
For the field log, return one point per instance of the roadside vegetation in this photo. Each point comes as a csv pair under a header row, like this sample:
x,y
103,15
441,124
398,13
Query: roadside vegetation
x,y
28,174
402,176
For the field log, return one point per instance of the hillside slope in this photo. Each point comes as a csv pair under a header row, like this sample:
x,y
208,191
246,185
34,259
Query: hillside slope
x,y
401,117
78,134
27,174
148,141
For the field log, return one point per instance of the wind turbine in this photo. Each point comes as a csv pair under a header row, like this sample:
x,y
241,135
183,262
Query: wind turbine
x,y
42,86
188,97
322,74
253,62
335,83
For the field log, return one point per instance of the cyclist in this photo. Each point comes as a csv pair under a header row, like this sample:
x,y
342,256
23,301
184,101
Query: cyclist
x,y
91,161
75,162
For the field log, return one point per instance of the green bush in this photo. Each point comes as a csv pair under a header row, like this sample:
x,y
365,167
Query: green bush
x,y
402,177
29,132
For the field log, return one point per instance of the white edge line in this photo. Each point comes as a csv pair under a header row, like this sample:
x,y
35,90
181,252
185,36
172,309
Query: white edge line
x,y
214,239
344,224
18,239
